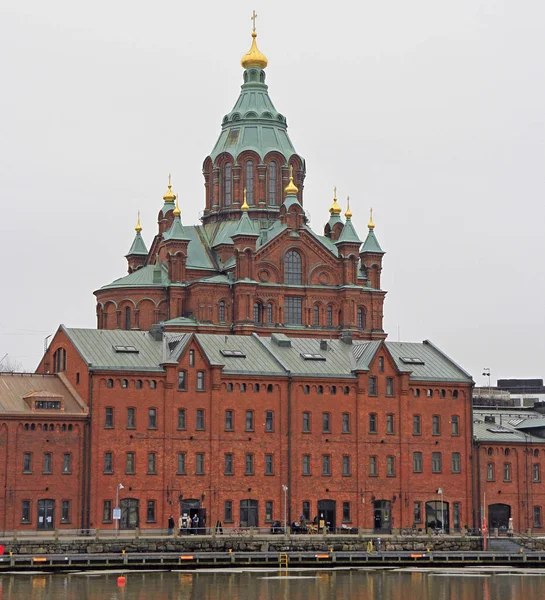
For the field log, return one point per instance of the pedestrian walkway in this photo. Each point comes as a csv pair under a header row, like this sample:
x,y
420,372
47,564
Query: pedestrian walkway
x,y
502,544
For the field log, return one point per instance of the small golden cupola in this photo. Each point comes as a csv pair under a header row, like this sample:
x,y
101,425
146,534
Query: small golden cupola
x,y
291,189
177,212
254,58
371,225
169,196
138,227
335,208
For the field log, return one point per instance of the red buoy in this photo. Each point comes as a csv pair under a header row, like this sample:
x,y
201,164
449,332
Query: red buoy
x,y
121,581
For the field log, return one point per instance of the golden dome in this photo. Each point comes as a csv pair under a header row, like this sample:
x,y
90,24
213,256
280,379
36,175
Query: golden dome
x,y
348,213
138,227
254,58
335,208
169,196
291,188
245,204
177,212
371,224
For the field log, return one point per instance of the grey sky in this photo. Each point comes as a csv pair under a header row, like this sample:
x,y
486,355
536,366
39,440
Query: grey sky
x,y
430,111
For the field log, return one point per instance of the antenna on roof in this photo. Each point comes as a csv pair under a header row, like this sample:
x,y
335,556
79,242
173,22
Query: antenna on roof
x,y
225,340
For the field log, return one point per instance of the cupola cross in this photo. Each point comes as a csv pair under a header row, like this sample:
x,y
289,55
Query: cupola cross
x,y
253,18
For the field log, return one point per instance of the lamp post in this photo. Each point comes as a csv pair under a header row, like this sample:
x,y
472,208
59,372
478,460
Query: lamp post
x,y
285,489
117,512
440,492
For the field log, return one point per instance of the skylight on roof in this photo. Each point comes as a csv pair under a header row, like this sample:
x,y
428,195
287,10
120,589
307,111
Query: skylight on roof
x,y
234,353
499,430
307,356
127,349
409,360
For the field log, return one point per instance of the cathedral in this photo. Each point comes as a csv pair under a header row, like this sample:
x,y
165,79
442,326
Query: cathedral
x,y
240,372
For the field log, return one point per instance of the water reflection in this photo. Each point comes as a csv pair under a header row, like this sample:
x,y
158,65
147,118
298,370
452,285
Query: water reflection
x,y
324,585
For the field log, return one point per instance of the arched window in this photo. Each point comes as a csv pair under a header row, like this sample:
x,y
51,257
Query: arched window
x,y
316,316
293,269
361,318
330,316
250,182
127,318
257,312
272,183
227,184
269,313
490,451
221,311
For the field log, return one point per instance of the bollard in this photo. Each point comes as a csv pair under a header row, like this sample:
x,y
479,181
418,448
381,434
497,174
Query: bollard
x,y
14,535
378,544
96,534
56,535
360,532
137,533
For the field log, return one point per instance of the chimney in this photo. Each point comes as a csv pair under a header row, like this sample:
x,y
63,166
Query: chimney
x,y
157,331
346,337
323,345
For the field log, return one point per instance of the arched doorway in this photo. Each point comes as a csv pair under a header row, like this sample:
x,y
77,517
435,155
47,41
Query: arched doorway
x,y
498,516
130,513
327,510
382,513
437,515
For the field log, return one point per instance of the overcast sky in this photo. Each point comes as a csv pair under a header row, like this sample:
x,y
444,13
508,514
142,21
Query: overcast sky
x,y
430,111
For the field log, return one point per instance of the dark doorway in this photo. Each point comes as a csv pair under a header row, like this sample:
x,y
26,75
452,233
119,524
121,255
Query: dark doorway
x,y
191,508
498,517
437,515
46,514
327,512
248,513
130,513
383,516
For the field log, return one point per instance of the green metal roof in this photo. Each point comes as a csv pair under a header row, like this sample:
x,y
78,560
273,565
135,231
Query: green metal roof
x,y
348,234
507,425
176,231
138,246
371,244
245,226
291,199
143,277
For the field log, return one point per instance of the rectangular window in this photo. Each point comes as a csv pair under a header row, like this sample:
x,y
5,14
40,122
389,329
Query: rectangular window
x,y
436,462
455,423
306,510
229,420
389,424
326,464
152,463
372,386
228,464
326,423
456,462
199,463
537,516
152,418
381,364
181,464
249,464
417,425
129,463
108,463
389,386
507,472
25,511
192,358
65,511
269,421
373,423
109,418
490,475
182,423
294,311
346,512
27,462
436,425
47,463
107,511
390,466
268,510
417,512
456,516
199,425
228,511
417,462
537,472
373,466
150,512
182,381
269,464
306,464
249,420
306,422
131,418
200,381
66,460
346,423
346,465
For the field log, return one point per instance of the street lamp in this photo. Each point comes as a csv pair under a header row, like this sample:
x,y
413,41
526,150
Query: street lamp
x,y
440,492
285,488
117,512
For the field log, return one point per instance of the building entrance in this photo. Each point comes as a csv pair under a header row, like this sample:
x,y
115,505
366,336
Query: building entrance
x,y
130,513
46,514
382,516
498,517
327,510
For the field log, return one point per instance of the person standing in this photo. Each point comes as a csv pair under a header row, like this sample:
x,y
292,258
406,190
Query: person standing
x,y
180,525
170,525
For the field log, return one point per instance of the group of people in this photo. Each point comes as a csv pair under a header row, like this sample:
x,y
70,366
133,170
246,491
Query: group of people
x,y
187,525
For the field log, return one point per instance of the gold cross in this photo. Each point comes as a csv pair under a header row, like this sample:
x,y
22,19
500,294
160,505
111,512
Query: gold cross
x,y
291,171
169,179
335,192
253,18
